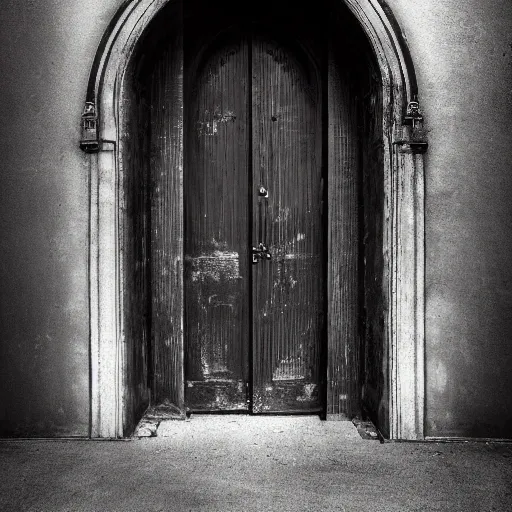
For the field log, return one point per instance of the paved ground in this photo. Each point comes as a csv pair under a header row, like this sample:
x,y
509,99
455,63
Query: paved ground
x,y
240,463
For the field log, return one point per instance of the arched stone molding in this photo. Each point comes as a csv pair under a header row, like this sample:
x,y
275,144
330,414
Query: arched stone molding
x,y
403,235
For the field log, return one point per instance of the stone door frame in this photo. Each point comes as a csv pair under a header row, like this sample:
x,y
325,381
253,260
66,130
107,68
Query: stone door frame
x,y
403,237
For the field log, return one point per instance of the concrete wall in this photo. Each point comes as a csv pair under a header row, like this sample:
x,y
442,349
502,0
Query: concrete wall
x,y
462,51
46,50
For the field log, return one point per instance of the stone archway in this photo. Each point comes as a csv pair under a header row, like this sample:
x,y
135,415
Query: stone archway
x,y
403,232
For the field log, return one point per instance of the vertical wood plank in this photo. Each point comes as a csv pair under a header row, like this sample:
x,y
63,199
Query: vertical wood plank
x,y
134,239
378,212
166,212
288,291
343,389
216,229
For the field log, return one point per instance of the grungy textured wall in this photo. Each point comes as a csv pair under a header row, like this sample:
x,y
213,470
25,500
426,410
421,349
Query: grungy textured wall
x,y
462,50
46,50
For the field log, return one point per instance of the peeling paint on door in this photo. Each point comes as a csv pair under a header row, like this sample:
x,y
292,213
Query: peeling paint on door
x,y
308,394
216,266
210,123
291,368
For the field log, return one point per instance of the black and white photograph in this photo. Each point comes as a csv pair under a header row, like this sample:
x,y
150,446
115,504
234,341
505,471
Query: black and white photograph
x,y
255,256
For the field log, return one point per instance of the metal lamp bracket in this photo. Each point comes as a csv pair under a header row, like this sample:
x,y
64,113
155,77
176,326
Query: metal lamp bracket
x,y
89,141
410,137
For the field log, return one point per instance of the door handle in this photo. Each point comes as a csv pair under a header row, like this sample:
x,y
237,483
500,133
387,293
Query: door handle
x,y
260,253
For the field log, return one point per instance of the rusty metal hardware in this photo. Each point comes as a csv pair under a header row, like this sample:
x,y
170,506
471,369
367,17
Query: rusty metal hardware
x,y
413,114
260,253
411,137
89,142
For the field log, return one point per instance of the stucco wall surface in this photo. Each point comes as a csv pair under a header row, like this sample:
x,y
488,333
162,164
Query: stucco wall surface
x,y
46,50
462,51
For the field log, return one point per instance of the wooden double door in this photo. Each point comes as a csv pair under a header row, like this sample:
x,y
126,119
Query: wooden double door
x,y
254,228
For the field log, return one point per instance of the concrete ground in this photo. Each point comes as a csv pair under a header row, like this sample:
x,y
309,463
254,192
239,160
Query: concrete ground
x,y
244,463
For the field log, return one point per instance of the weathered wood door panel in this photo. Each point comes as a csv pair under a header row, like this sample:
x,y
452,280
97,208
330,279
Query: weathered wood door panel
x,y
254,175
216,232
288,295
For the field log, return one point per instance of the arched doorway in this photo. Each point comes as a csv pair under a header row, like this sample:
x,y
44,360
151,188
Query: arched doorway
x,y
174,288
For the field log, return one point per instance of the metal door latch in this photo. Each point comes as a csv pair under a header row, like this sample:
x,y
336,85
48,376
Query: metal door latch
x,y
263,192
260,253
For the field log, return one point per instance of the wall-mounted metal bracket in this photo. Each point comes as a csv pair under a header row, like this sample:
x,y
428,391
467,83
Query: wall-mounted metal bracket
x,y
411,137
413,114
418,147
89,142
409,145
